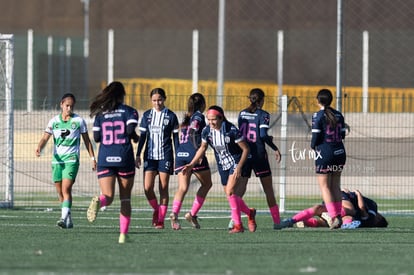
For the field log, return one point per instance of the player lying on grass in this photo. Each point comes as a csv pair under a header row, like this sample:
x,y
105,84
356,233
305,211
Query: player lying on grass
x,y
357,211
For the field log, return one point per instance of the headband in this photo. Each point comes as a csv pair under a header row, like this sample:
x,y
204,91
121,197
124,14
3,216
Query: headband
x,y
214,112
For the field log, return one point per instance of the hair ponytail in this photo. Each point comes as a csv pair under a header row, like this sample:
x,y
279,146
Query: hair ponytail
x,y
325,99
256,96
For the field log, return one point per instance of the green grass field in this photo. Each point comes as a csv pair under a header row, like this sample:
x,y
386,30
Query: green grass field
x,y
30,243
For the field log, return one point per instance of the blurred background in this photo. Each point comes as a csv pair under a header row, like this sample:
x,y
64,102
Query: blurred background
x,y
154,40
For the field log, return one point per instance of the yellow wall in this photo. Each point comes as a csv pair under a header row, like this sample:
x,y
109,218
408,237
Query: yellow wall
x,y
235,95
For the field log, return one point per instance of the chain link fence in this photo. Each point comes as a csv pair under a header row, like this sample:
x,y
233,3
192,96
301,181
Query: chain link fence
x,y
154,40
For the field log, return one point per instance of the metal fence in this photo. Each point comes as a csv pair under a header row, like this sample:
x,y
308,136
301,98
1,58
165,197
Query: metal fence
x,y
70,49
379,162
155,39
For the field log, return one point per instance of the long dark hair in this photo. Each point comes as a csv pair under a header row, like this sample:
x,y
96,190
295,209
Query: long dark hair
x,y
196,102
256,96
159,91
325,99
109,99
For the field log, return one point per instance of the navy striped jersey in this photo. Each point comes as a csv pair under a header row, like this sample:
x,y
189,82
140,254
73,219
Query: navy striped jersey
x,y
253,126
66,137
322,133
224,142
115,149
158,127
197,124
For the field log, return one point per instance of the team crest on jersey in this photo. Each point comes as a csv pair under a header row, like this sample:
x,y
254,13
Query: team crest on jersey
x,y
166,121
227,139
73,126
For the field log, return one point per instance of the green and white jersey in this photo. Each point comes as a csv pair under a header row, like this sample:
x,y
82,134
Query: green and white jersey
x,y
66,138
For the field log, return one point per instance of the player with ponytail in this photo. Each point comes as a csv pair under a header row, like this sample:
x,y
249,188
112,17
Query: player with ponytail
x,y
328,131
254,124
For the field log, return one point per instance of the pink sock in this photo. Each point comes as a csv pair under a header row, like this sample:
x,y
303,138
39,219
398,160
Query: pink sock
x,y
274,212
304,215
333,212
311,222
243,206
338,208
153,203
235,211
124,222
162,212
176,207
102,200
197,204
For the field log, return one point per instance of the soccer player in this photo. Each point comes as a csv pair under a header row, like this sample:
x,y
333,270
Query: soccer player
x,y
190,140
366,209
67,129
231,151
357,211
328,131
253,124
157,127
114,128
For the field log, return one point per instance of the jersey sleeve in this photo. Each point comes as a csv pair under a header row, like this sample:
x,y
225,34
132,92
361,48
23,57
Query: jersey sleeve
x,y
49,127
176,124
143,126
97,128
264,122
83,126
204,134
317,134
237,135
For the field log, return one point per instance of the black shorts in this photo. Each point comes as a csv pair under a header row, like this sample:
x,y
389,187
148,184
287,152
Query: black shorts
x,y
259,164
122,171
329,160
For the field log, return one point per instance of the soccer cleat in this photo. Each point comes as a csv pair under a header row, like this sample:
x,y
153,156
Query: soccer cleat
x,y
237,228
175,224
155,218
252,220
325,216
352,225
336,222
277,226
61,223
159,225
93,209
286,223
193,220
123,238
231,224
68,221
299,224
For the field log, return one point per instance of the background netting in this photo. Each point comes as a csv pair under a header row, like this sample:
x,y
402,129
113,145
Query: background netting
x,y
153,47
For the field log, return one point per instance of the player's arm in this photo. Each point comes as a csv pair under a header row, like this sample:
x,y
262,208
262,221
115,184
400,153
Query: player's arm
x,y
176,139
141,142
176,130
361,204
199,155
89,147
269,141
317,136
193,137
45,138
245,153
130,129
